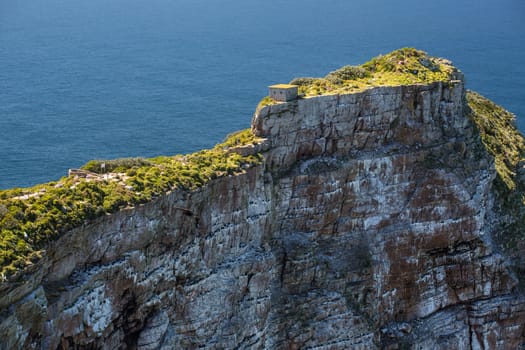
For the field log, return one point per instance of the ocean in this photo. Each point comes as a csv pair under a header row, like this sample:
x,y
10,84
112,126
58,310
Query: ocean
x,y
103,79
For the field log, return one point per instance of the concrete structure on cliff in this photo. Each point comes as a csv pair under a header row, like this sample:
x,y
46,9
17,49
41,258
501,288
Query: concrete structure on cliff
x,y
283,92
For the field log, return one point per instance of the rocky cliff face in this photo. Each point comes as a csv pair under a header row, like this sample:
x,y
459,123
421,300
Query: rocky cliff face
x,y
369,225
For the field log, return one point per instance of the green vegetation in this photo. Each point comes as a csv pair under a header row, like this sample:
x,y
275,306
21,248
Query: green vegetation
x,y
499,135
31,217
401,67
240,138
115,165
501,139
347,73
266,101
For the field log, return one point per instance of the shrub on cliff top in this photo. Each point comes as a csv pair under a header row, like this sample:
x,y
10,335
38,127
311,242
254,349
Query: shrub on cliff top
x,y
347,73
33,216
400,67
303,81
266,101
114,165
239,138
397,60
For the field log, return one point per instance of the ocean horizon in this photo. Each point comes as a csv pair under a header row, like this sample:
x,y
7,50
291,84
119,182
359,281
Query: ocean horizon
x,y
111,79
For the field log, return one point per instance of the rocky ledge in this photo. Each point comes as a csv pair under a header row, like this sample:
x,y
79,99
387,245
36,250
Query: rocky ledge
x,y
370,223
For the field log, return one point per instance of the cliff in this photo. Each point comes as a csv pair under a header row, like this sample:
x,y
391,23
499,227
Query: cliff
x,y
374,218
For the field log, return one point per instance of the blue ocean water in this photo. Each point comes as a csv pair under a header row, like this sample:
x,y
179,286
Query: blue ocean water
x,y
83,80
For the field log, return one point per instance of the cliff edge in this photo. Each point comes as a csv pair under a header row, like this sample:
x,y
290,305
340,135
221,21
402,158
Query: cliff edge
x,y
360,216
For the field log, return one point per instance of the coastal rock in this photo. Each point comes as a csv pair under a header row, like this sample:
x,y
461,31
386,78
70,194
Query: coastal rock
x,y
368,225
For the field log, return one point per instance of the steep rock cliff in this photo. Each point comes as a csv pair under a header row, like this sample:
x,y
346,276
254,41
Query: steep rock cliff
x,y
369,224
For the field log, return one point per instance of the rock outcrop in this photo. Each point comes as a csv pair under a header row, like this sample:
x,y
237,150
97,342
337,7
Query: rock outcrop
x,y
368,225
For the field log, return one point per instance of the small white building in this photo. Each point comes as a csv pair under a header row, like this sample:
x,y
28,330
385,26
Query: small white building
x,y
283,92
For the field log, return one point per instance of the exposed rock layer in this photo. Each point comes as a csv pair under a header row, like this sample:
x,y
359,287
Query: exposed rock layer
x,y
368,226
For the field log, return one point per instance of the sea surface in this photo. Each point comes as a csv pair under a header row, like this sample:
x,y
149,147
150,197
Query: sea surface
x,y
102,79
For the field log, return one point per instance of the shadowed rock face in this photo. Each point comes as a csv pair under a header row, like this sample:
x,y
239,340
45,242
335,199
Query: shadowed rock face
x,y
367,226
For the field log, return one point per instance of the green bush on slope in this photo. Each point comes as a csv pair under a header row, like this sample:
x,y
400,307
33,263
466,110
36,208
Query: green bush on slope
x,y
499,135
31,217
